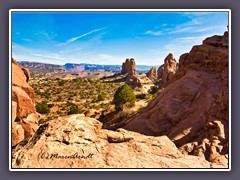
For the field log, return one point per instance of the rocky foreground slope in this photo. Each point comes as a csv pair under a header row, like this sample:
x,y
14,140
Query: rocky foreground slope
x,y
79,142
193,110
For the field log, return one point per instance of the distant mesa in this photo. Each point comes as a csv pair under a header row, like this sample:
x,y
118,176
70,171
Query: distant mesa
x,y
74,67
41,67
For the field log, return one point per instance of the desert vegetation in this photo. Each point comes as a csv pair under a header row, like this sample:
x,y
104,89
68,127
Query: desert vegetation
x,y
94,97
124,97
58,97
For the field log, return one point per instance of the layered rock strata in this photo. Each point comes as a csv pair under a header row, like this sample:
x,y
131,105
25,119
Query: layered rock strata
x,y
24,116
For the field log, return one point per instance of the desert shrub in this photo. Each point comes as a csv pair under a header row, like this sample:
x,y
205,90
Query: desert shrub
x,y
58,91
148,96
70,98
38,92
140,96
50,105
153,90
124,97
124,114
45,94
74,109
61,83
100,97
42,108
75,80
59,98
41,121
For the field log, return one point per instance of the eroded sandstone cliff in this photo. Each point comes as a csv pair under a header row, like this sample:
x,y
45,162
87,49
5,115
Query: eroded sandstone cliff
x,y
193,110
24,116
152,74
167,70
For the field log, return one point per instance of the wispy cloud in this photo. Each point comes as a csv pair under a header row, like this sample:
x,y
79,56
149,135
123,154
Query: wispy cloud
x,y
83,35
80,36
27,40
23,53
154,33
187,38
198,13
195,38
71,50
191,26
49,56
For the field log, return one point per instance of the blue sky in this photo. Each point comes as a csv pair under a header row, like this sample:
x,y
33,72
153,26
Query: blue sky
x,y
110,37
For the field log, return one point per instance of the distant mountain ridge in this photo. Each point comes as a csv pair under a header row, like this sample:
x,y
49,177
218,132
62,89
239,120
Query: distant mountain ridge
x,y
43,67
74,67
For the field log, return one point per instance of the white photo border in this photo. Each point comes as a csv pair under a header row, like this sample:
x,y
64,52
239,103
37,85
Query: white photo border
x,y
115,10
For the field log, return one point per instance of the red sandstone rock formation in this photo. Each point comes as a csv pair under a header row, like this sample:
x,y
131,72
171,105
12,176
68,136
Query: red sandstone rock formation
x,y
129,67
139,83
83,137
152,74
24,116
167,70
160,72
193,110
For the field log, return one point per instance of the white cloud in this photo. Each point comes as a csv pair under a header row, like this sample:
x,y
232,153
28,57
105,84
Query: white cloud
x,y
27,40
154,33
70,50
198,13
49,56
83,35
192,26
80,36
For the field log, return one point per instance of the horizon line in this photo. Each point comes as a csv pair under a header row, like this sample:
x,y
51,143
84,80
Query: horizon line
x,y
82,63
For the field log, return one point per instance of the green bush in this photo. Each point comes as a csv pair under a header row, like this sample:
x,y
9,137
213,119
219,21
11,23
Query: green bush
x,y
61,83
124,97
38,92
100,97
74,109
42,108
148,96
153,90
45,94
